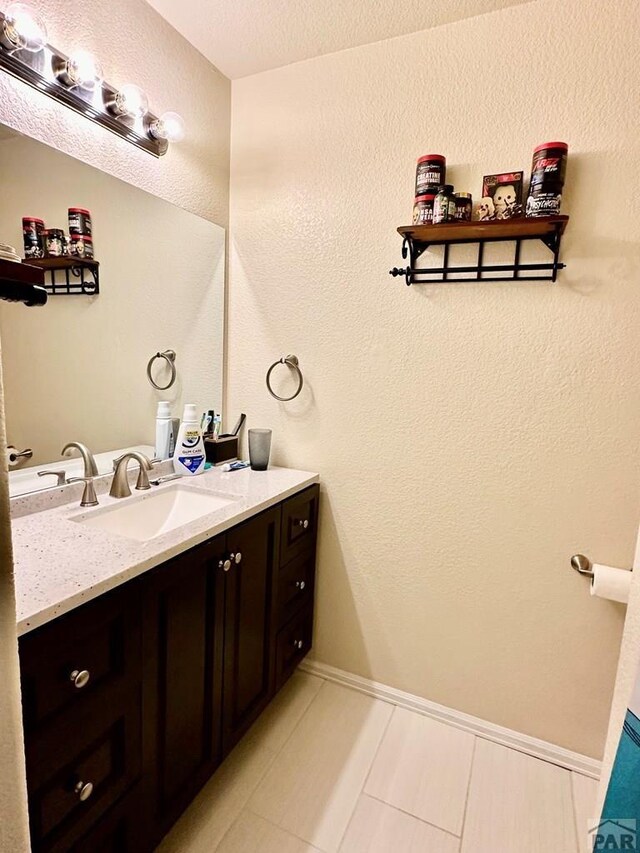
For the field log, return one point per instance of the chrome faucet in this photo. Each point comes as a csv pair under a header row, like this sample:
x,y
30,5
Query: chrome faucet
x,y
120,484
90,467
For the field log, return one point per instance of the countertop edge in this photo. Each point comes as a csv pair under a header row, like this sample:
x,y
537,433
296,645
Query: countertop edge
x,y
48,614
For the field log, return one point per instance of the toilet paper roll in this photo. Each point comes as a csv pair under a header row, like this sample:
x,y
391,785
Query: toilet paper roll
x,y
610,583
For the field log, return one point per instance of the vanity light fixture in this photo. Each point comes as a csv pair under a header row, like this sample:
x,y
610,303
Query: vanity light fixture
x,y
81,70
129,100
77,81
169,126
23,29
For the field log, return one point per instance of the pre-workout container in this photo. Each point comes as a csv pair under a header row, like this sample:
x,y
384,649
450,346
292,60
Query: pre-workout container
x,y
547,179
430,173
80,221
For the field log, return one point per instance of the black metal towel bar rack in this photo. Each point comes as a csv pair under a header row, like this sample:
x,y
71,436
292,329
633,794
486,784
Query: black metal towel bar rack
x,y
418,238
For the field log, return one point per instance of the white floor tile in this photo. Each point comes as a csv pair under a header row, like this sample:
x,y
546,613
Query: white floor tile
x,y
585,792
202,827
423,768
313,785
278,721
517,804
378,828
253,834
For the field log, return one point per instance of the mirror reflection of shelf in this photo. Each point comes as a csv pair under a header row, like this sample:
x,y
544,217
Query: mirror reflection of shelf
x,y
70,276
21,283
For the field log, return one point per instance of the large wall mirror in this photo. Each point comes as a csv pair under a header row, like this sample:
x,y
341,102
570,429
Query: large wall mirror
x,y
76,369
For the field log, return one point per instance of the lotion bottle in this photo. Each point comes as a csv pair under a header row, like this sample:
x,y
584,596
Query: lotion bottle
x,y
164,429
189,455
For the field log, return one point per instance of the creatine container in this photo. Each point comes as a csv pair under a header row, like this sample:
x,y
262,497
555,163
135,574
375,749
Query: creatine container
x,y
80,221
430,173
547,179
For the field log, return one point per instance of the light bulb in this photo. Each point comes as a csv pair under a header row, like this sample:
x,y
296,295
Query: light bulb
x,y
83,70
131,101
23,28
169,126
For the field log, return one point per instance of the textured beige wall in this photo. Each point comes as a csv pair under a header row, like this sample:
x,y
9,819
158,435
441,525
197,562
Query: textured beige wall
x,y
162,287
134,44
470,437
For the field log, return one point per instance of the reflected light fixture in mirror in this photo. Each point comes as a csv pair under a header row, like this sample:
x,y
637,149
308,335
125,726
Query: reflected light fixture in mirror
x,y
23,29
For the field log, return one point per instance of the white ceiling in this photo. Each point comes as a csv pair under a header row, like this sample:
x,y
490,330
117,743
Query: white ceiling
x,y
242,37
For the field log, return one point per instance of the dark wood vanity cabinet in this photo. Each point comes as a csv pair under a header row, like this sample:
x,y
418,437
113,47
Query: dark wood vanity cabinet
x,y
133,700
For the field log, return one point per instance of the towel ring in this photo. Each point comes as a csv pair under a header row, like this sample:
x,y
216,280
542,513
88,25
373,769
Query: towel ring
x,y
292,361
170,357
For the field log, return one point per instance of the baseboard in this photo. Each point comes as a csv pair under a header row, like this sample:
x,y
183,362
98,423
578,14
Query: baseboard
x,y
489,731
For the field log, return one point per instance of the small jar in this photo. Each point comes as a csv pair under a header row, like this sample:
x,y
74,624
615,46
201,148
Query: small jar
x,y
464,206
53,242
32,230
80,221
423,209
81,246
444,206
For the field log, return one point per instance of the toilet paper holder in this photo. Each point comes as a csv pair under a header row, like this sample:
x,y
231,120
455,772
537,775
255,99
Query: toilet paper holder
x,y
582,565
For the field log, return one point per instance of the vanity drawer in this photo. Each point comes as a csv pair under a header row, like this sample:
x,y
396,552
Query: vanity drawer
x,y
299,524
77,771
76,656
293,643
295,586
119,831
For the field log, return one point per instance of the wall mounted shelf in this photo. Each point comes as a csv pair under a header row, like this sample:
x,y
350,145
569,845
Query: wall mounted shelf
x,y
70,276
418,238
22,283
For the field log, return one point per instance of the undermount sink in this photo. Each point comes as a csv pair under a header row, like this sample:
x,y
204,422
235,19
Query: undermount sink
x,y
153,515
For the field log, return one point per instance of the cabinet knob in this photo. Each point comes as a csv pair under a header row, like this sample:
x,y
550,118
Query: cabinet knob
x,y
298,644
80,678
225,564
83,790
300,585
303,523
236,558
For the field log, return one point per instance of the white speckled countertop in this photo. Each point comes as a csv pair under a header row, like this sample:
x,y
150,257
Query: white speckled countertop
x,y
60,564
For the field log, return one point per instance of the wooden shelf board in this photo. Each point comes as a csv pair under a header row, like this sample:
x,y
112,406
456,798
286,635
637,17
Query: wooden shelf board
x,y
64,263
497,229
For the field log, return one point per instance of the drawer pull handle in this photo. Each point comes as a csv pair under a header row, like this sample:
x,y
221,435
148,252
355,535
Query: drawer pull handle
x,y
236,558
83,790
298,644
300,585
80,678
303,523
225,564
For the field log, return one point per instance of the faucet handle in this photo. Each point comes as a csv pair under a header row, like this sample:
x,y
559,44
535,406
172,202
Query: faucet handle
x,y
61,475
89,497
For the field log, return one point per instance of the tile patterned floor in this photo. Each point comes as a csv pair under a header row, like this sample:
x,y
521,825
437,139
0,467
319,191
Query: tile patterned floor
x,y
329,770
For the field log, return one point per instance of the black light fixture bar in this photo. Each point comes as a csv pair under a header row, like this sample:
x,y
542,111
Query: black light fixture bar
x,y
39,71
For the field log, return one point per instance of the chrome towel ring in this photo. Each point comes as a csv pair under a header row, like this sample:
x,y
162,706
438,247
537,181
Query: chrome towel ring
x,y
170,357
292,362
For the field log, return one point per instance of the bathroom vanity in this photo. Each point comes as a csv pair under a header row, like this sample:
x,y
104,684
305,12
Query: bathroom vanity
x,y
145,661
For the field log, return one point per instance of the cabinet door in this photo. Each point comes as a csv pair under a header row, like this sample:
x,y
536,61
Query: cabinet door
x,y
183,622
249,664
